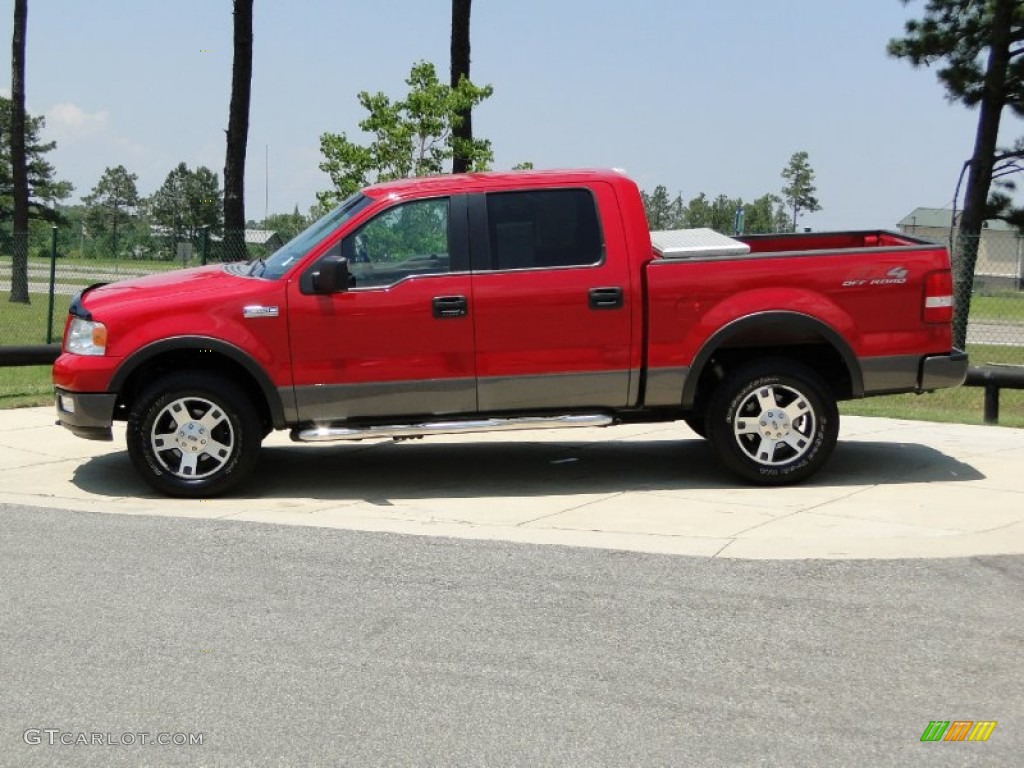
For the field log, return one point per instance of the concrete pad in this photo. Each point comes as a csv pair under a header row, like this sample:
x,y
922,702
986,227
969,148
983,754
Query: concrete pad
x,y
658,515
894,488
938,506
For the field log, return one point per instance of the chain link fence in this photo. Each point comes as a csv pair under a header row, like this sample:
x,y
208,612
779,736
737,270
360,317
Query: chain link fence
x,y
995,328
63,263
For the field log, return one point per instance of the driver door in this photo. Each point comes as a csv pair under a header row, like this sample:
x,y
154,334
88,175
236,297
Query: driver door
x,y
399,342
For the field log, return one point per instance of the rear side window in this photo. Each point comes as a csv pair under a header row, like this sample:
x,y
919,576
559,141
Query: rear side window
x,y
543,229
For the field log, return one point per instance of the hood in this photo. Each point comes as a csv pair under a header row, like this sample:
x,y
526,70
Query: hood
x,y
198,284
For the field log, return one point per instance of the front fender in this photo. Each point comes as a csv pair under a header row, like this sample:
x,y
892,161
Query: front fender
x,y
203,344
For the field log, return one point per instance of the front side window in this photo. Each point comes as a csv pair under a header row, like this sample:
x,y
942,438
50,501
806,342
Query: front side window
x,y
543,229
404,241
297,248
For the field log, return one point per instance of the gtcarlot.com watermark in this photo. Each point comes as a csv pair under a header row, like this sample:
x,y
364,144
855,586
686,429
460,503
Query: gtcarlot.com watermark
x,y
57,737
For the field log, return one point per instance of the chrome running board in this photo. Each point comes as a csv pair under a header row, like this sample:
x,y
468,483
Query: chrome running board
x,y
327,433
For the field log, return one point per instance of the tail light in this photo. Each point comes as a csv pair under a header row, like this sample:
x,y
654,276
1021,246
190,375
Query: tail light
x,y
938,297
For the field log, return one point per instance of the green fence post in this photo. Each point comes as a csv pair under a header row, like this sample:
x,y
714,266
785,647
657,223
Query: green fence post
x,y
204,244
53,284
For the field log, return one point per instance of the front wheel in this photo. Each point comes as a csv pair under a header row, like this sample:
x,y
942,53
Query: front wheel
x,y
773,422
193,435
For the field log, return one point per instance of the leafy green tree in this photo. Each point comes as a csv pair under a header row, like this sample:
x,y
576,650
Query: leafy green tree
x,y
186,202
765,215
112,202
718,214
1009,162
977,45
45,191
799,192
410,137
699,212
238,131
287,225
662,211
723,214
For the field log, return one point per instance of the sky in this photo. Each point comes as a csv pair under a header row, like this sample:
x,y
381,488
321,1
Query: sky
x,y
696,95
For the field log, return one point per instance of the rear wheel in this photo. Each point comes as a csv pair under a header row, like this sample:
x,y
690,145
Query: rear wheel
x,y
773,422
194,435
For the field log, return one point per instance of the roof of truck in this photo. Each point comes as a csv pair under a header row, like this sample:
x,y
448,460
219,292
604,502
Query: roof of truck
x,y
479,182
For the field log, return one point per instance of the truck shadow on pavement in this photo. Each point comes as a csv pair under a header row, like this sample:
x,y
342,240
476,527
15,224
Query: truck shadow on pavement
x,y
435,469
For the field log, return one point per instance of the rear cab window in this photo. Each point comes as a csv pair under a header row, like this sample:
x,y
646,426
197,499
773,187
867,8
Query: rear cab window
x,y
542,229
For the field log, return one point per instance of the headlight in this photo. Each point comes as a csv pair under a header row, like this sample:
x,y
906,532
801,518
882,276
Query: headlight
x,y
86,337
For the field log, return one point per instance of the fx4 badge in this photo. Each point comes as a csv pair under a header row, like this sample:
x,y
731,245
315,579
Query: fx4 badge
x,y
875,276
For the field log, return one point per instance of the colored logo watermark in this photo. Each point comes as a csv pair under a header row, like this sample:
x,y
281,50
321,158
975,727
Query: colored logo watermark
x,y
959,730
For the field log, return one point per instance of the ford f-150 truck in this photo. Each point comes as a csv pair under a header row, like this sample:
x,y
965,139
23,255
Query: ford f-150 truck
x,y
503,301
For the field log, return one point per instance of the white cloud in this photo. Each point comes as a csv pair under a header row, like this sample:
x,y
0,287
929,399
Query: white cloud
x,y
67,122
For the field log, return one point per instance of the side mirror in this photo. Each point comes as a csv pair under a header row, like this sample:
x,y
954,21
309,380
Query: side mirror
x,y
333,275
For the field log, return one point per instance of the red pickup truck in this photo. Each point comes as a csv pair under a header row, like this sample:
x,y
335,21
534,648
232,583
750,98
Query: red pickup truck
x,y
504,301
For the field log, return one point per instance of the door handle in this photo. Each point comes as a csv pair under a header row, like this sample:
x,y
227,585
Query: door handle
x,y
606,298
450,306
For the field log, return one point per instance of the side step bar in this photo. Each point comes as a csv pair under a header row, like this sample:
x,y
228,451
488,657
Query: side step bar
x,y
328,433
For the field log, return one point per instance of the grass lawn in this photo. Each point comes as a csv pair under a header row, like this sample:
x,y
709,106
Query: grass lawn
x,y
25,387
1005,307
961,406
26,323
131,265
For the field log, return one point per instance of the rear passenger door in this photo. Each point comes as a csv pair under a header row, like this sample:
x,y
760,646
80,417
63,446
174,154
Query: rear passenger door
x,y
552,300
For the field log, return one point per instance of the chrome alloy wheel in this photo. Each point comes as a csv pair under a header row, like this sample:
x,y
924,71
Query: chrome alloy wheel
x,y
192,438
774,425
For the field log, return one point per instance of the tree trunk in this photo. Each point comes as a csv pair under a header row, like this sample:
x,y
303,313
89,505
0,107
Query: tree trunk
x,y
462,133
238,134
19,169
979,178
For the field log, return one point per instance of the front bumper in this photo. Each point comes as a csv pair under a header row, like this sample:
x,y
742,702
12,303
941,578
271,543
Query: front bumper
x,y
89,415
943,371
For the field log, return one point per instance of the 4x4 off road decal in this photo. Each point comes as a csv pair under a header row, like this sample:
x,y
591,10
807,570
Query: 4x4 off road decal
x,y
876,276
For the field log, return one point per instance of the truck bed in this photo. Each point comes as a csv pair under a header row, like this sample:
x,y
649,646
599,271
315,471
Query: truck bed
x,y
692,244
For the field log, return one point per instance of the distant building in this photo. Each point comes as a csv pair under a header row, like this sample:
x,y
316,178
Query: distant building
x,y
1000,252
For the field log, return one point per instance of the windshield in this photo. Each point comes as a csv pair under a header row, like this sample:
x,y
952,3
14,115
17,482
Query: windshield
x,y
296,248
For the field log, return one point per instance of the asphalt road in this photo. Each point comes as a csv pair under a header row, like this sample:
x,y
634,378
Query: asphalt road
x,y
297,646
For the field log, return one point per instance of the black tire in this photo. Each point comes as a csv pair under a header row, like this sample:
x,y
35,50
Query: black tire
x,y
698,424
193,434
773,422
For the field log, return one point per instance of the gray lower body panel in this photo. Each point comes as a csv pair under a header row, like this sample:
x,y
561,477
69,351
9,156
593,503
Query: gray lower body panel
x,y
86,414
556,391
440,397
339,402
913,373
893,373
942,371
665,386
